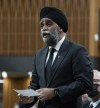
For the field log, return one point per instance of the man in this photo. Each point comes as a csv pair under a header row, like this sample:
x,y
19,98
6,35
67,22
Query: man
x,y
62,70
95,97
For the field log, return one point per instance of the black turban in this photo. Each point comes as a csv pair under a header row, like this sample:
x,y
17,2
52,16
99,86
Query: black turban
x,y
55,15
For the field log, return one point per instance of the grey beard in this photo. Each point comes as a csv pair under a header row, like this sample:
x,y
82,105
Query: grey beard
x,y
53,40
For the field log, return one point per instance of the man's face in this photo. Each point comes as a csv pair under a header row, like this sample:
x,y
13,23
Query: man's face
x,y
50,32
99,88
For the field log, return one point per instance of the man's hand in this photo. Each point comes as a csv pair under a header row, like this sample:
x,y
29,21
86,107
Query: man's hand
x,y
26,99
46,93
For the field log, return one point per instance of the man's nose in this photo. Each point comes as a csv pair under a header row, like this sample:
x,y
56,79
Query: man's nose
x,y
45,28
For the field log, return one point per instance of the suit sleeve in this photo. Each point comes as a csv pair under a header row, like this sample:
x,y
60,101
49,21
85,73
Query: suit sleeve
x,y
35,79
82,75
34,83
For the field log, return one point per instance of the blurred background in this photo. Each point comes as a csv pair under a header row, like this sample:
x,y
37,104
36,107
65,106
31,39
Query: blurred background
x,y
20,38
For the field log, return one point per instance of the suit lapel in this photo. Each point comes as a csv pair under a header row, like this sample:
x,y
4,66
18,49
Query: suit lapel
x,y
59,58
42,67
98,106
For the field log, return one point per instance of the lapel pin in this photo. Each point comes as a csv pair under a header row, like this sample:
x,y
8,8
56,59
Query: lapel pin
x,y
58,56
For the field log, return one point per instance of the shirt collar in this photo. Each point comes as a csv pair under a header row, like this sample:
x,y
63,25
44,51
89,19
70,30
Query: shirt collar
x,y
57,47
95,103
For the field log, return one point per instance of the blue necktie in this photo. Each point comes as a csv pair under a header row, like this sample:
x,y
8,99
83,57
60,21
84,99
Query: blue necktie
x,y
49,65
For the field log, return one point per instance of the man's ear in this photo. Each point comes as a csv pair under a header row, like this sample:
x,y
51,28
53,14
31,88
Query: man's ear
x,y
60,30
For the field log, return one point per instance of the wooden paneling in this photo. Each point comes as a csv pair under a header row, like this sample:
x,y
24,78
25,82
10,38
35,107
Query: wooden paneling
x,y
10,97
94,48
20,29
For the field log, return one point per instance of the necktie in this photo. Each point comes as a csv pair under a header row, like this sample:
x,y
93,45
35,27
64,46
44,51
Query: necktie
x,y
91,106
49,65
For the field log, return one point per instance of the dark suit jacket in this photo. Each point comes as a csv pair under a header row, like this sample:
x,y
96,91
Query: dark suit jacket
x,y
98,106
71,74
86,105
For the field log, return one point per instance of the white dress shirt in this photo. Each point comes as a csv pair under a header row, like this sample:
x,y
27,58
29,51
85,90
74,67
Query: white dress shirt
x,y
95,103
57,47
